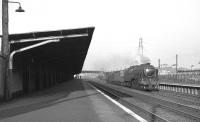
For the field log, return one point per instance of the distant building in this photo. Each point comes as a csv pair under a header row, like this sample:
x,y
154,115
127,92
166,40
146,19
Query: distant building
x,y
167,70
170,70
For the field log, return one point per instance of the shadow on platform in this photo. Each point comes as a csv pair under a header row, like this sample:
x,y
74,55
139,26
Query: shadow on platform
x,y
42,99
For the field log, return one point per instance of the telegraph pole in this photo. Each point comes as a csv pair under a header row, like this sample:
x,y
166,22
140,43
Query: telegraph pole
x,y
176,66
5,47
140,48
176,63
159,67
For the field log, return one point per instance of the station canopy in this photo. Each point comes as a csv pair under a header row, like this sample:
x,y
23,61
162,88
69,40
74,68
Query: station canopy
x,y
65,51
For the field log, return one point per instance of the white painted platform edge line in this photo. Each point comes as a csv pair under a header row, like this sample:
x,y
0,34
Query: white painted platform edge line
x,y
122,107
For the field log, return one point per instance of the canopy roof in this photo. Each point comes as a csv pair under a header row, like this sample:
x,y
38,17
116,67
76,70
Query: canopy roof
x,y
68,54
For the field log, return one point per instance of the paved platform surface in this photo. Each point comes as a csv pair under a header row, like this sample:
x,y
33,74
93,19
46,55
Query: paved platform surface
x,y
73,101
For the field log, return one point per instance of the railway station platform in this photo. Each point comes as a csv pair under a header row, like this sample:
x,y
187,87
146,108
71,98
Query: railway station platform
x,y
72,101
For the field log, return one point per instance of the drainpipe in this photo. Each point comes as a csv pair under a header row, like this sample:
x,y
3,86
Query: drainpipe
x,y
49,38
27,48
10,68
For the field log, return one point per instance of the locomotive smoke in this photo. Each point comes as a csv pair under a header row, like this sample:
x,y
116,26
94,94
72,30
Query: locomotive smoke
x,y
121,61
141,59
114,62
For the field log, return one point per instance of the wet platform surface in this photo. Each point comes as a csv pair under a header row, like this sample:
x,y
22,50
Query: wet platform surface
x,y
72,101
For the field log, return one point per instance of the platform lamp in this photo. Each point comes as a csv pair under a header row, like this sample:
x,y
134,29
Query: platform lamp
x,y
20,7
5,48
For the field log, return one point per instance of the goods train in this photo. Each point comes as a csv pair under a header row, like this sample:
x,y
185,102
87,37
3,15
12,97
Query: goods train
x,y
143,77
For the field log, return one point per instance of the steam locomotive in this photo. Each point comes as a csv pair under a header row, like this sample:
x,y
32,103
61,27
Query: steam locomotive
x,y
142,77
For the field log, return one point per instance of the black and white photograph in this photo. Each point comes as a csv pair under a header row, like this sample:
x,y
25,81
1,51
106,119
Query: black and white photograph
x,y
100,61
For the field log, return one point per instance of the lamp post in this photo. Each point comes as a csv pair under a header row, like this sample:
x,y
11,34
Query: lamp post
x,y
5,47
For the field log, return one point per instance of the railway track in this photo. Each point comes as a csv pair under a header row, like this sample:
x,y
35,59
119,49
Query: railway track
x,y
179,98
119,97
189,112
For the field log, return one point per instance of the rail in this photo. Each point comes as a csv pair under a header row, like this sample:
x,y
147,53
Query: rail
x,y
119,95
181,109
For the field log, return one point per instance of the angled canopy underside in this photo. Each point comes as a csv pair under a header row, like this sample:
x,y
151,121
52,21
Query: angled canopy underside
x,y
66,55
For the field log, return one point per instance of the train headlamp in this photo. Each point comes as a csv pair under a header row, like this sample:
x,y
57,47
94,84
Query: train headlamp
x,y
149,72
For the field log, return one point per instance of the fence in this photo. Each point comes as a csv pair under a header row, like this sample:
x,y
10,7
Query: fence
x,y
183,77
186,89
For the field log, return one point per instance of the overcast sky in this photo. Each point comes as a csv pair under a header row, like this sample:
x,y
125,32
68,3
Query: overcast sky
x,y
168,27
